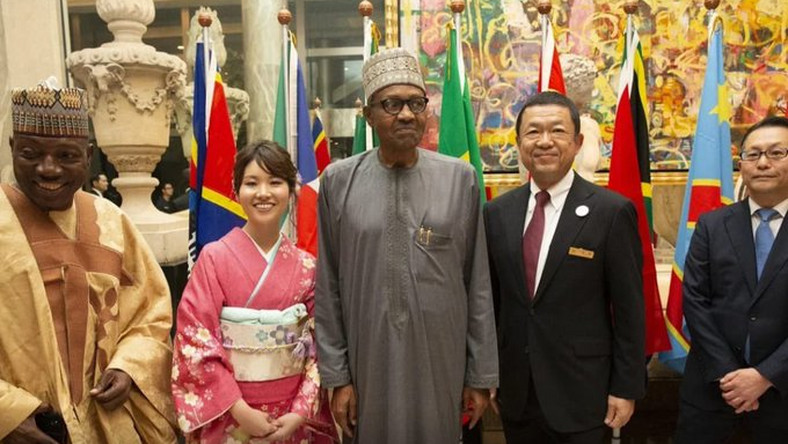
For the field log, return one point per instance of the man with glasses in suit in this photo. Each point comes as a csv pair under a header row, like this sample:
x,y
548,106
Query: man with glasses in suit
x,y
736,304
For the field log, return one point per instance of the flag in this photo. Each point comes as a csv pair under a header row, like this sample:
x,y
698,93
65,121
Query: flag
x,y
320,143
291,122
292,129
360,134
628,160
709,185
550,75
306,208
213,209
364,137
457,137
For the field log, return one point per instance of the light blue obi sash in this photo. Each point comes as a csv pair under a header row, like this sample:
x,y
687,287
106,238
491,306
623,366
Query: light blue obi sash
x,y
264,345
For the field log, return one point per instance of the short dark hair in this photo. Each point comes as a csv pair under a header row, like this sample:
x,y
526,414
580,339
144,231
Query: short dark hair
x,y
768,122
550,98
95,178
269,156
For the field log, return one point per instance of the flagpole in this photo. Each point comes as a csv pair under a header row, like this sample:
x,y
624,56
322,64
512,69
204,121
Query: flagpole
x,y
544,7
365,8
284,17
711,7
630,7
316,104
457,7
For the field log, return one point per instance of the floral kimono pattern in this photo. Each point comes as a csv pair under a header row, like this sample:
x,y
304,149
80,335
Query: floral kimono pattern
x,y
204,384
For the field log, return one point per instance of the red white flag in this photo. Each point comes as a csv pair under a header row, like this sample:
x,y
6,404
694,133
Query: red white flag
x,y
550,75
306,209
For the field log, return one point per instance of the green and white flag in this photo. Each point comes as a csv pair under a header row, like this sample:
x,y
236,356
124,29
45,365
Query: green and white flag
x,y
457,137
365,137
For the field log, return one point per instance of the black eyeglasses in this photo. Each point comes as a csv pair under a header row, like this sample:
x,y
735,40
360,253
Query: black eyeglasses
x,y
416,105
775,153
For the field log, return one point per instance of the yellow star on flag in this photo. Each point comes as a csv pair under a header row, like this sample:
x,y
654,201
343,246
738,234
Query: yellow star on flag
x,y
723,108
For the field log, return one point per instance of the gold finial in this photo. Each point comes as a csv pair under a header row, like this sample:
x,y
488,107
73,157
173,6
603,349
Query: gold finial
x,y
544,6
457,6
358,103
205,19
711,4
631,7
317,102
365,8
284,17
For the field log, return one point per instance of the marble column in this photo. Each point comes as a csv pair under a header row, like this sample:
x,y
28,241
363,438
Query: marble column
x,y
262,52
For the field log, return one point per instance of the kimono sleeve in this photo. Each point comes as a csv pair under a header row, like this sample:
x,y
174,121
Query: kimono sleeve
x,y
203,384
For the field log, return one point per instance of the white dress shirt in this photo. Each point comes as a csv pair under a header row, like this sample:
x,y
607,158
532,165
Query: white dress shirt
x,y
552,213
774,223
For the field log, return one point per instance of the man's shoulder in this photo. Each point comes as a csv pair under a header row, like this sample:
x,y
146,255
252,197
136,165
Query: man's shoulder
x,y
346,165
505,200
443,161
717,216
604,195
102,205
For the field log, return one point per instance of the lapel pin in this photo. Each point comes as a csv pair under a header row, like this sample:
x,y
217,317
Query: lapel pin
x,y
581,211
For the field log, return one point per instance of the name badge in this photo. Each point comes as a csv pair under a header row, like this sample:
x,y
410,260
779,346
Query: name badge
x,y
581,252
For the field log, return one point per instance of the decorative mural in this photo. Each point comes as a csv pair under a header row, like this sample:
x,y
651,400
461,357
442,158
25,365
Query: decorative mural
x,y
501,45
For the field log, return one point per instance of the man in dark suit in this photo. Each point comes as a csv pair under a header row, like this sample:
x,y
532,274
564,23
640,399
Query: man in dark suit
x,y
99,184
565,263
736,304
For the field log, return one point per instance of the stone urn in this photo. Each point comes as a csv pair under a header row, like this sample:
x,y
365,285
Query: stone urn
x,y
132,89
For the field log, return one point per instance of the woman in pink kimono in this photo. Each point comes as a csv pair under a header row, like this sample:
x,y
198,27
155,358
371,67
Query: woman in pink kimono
x,y
244,363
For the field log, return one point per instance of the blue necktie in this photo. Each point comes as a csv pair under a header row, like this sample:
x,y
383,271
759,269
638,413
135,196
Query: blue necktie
x,y
764,238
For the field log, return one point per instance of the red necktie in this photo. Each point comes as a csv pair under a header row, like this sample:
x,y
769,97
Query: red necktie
x,y
532,241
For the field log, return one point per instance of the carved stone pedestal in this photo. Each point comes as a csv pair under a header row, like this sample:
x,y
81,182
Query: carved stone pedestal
x,y
132,89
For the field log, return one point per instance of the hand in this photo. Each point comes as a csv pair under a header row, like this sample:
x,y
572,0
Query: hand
x,y
741,389
343,406
252,421
112,389
619,410
290,422
475,403
494,401
28,432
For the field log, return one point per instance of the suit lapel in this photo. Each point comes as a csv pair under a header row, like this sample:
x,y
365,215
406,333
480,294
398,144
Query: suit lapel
x,y
569,225
777,258
513,222
739,227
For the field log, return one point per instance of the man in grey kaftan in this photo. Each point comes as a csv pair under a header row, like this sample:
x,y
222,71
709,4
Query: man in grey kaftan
x,y
403,303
